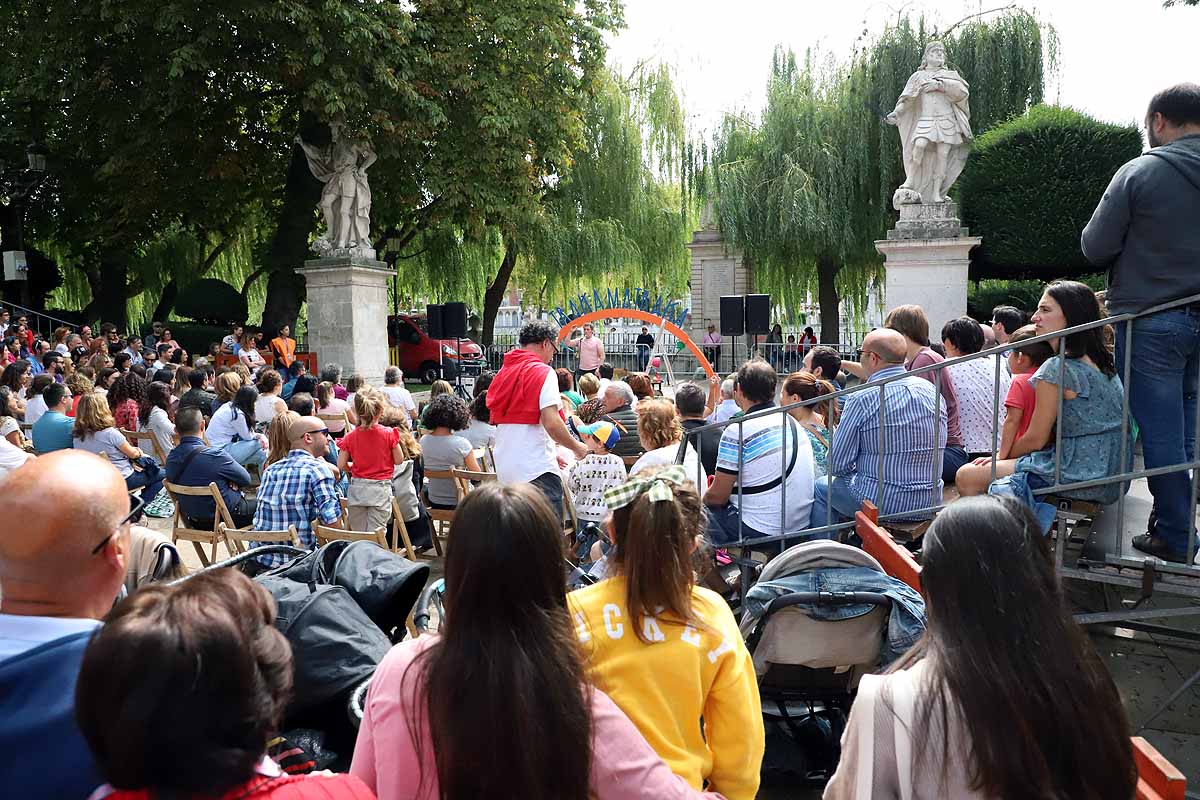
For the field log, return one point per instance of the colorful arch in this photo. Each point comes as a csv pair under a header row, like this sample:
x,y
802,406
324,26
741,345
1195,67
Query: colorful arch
x,y
640,316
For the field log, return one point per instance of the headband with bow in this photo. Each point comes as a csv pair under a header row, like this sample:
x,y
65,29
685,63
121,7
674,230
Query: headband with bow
x,y
656,485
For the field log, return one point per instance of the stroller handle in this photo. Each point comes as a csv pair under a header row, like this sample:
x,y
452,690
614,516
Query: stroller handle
x,y
421,610
828,599
255,552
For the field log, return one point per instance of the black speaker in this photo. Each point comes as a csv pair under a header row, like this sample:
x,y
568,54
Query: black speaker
x,y
436,324
758,314
733,315
454,320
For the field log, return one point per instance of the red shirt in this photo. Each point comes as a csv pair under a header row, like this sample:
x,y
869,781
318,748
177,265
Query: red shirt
x,y
1021,395
370,451
283,787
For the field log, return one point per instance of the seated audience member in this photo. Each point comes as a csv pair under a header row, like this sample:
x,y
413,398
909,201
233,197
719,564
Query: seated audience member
x,y
154,417
225,385
10,429
618,409
55,429
690,403
442,449
162,356
371,452
1005,321
328,405
589,386
79,384
294,372
232,427
198,395
668,652
397,395
61,569
353,384
213,634
1091,411
967,709
728,406
233,341
269,403
35,404
332,373
480,433
303,404
911,322
605,372
802,386
248,355
764,460
642,387
568,397
975,385
12,457
429,690
661,432
439,387
1021,400
597,472
298,489
912,446
193,463
96,433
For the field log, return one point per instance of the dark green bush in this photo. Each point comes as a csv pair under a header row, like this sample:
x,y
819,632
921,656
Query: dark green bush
x,y
1032,184
212,302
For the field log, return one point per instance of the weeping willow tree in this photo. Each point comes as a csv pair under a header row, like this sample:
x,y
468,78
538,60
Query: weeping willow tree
x,y
806,190
615,215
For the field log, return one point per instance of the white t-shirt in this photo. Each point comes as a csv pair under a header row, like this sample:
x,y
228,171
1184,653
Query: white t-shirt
x,y
225,423
163,429
266,407
524,452
763,461
34,408
664,456
11,457
401,398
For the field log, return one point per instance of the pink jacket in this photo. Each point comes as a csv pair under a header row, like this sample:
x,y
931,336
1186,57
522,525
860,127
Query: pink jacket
x,y
624,766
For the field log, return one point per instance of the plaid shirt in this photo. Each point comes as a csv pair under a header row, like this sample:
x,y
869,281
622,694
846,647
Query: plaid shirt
x,y
295,491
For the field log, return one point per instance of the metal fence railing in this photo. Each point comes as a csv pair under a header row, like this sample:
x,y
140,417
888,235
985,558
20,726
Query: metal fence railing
x,y
39,322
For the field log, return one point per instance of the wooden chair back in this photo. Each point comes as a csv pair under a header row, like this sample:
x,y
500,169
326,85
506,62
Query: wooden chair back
x,y
239,539
330,533
400,533
464,477
630,461
343,417
200,536
439,517
1158,779
138,440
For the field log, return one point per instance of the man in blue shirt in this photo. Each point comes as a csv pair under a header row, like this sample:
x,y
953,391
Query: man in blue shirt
x,y
192,463
294,371
54,429
906,475
61,569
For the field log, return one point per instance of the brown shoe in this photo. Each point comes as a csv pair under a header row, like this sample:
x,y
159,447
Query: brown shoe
x,y
1153,545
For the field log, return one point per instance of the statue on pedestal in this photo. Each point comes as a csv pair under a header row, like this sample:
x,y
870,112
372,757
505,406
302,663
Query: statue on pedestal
x,y
935,129
346,198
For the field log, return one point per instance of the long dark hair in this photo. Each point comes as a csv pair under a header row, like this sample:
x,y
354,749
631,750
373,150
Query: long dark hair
x,y
1043,715
158,395
11,377
244,401
507,659
1079,305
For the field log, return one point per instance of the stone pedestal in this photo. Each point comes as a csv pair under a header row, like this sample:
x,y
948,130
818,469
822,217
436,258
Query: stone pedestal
x,y
715,272
926,257
347,313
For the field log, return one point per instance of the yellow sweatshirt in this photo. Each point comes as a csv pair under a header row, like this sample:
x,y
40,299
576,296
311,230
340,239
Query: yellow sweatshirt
x,y
691,691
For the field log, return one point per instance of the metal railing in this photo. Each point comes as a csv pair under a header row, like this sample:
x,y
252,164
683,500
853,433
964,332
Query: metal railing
x,y
39,322
1169,577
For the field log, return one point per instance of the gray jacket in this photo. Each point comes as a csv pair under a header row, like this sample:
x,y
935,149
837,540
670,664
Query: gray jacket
x,y
1146,229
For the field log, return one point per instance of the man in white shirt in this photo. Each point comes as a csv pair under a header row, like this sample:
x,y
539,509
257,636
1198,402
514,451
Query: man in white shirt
x,y
399,397
134,349
527,425
728,406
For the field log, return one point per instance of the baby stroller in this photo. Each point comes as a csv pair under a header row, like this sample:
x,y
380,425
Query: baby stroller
x,y
821,615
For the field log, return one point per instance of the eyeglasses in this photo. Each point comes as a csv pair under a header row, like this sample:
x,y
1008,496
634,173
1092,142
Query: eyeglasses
x,y
137,505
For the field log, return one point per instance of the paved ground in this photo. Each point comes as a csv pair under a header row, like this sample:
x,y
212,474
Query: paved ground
x,y
1147,667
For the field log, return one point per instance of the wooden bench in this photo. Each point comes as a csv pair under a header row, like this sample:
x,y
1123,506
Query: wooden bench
x,y
1158,779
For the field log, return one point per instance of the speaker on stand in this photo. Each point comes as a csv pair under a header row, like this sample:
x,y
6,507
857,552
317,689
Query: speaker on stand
x,y
758,317
733,320
434,322
454,325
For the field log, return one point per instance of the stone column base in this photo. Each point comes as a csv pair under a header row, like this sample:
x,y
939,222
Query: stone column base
x,y
931,273
347,313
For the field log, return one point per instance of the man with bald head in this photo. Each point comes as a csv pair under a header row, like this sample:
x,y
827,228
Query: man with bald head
x,y
299,488
61,566
902,477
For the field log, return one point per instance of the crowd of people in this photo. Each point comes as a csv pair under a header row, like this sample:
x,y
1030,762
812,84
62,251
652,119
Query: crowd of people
x,y
638,683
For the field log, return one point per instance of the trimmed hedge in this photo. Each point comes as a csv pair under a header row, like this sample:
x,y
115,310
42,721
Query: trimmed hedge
x,y
211,302
1032,184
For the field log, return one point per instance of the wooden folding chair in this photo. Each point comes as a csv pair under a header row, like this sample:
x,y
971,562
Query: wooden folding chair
x,y
463,479
342,417
138,438
400,532
240,539
199,536
331,533
630,461
440,517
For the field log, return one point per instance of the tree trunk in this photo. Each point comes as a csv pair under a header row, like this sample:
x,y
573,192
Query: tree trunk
x,y
494,296
827,297
289,245
109,296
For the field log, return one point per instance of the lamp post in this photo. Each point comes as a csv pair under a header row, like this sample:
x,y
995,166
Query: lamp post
x,y
392,255
24,185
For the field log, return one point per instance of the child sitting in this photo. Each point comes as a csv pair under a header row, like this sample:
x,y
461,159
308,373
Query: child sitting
x,y
1020,401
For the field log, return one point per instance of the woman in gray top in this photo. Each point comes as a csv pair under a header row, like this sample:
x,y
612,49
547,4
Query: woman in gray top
x,y
443,449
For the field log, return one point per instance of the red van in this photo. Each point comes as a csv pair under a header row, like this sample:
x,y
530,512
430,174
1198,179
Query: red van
x,y
419,355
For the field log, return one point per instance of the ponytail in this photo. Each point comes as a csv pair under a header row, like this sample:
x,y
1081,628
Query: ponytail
x,y
368,405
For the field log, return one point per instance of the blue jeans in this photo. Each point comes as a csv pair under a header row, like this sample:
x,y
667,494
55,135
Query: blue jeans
x,y
953,457
550,484
1164,369
723,526
836,495
246,452
151,485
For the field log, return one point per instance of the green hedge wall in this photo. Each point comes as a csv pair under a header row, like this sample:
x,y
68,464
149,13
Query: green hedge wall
x,y
1031,185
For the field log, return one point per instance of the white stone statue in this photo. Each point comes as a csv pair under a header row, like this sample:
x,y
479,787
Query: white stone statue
x,y
935,129
346,198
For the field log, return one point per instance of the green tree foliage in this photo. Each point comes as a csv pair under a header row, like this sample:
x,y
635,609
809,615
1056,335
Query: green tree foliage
x,y
1031,185
805,190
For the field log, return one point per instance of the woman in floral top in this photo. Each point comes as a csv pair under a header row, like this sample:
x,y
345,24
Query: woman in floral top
x,y
801,386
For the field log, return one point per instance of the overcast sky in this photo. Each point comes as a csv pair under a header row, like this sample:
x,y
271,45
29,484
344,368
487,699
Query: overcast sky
x,y
1114,54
